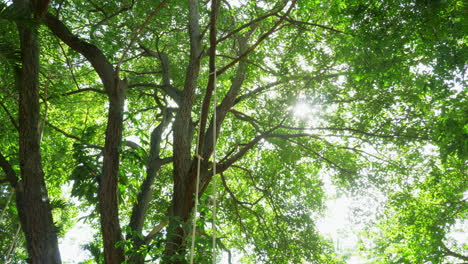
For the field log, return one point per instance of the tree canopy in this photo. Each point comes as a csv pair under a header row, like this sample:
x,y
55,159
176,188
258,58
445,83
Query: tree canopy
x,y
110,108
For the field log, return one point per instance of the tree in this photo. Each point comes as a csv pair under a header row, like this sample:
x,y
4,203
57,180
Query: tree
x,y
144,75
32,200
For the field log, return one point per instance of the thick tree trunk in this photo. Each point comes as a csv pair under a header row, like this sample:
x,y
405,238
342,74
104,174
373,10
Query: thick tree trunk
x,y
183,132
31,194
115,89
108,192
182,204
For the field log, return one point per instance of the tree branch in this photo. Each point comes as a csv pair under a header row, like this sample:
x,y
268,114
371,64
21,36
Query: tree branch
x,y
225,165
84,90
141,73
258,19
137,33
260,40
241,116
284,80
10,116
154,164
173,92
155,231
10,174
211,77
354,131
72,136
332,163
108,17
94,55
296,22
449,252
70,65
223,180
226,104
183,128
169,90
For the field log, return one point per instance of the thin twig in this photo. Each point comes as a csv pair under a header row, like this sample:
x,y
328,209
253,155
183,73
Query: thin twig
x,y
137,33
12,119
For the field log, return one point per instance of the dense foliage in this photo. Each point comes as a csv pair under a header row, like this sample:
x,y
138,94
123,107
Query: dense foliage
x,y
369,93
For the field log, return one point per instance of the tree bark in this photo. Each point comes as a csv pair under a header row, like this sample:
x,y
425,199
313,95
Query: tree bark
x,y
108,191
183,131
146,190
185,180
31,194
115,89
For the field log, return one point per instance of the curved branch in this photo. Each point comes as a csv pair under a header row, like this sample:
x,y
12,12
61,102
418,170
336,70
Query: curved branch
x,y
234,198
297,22
162,56
11,176
451,253
246,25
10,116
212,74
357,131
155,231
154,164
94,55
260,40
226,104
138,31
84,90
68,135
168,89
221,167
108,17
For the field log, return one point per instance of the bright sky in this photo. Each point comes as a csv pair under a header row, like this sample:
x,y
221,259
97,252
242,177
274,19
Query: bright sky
x,y
70,245
80,234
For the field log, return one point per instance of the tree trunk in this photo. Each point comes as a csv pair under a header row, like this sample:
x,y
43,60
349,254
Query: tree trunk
x,y
108,191
31,194
183,202
183,131
115,89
